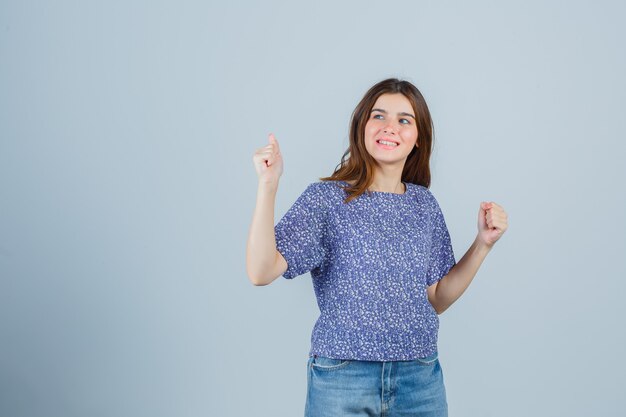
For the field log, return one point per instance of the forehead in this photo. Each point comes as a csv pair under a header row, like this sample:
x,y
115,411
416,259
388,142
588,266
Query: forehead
x,y
394,103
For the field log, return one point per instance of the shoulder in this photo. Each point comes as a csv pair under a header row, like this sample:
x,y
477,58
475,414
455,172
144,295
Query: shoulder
x,y
325,188
328,194
422,193
426,197
321,193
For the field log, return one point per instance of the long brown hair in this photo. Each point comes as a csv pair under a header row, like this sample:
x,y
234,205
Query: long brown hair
x,y
358,165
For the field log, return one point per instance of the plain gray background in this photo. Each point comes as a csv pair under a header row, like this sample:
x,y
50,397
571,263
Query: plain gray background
x,y
127,188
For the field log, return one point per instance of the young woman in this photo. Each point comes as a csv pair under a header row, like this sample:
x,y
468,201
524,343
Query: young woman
x,y
380,256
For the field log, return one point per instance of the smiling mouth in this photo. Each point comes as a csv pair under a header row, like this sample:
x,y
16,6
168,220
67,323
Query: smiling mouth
x,y
387,144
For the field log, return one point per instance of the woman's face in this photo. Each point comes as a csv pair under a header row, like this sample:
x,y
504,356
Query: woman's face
x,y
392,121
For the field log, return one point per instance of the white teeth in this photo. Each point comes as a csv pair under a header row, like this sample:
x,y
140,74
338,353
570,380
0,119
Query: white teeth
x,y
384,142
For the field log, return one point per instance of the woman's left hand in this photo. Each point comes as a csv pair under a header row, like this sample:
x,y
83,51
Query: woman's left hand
x,y
492,223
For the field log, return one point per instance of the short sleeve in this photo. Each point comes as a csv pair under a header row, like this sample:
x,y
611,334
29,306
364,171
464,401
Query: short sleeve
x,y
300,232
441,257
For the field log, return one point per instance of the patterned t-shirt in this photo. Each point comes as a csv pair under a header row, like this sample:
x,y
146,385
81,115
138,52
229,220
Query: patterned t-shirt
x,y
370,261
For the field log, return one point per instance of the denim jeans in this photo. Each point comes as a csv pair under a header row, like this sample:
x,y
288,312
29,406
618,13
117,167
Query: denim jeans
x,y
337,388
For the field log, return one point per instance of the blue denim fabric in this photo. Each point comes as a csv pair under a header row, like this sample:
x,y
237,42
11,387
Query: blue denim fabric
x,y
337,388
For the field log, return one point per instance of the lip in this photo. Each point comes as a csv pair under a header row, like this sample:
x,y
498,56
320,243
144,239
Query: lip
x,y
387,146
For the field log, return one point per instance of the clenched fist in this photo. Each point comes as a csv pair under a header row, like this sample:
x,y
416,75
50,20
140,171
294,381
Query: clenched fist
x,y
269,162
492,223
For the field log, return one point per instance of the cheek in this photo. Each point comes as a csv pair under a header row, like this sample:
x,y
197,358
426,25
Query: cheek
x,y
410,135
371,128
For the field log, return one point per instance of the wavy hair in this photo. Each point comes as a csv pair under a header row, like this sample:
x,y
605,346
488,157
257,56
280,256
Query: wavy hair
x,y
358,165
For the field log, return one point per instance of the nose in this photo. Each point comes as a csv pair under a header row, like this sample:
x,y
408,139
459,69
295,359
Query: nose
x,y
390,127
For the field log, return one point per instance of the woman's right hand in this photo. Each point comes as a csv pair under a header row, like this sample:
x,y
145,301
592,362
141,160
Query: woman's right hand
x,y
269,162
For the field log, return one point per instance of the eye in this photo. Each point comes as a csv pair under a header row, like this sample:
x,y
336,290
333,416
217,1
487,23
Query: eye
x,y
377,115
405,121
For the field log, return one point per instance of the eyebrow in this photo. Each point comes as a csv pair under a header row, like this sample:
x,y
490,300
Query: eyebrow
x,y
399,114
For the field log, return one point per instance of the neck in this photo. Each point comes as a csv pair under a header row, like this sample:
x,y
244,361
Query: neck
x,y
388,183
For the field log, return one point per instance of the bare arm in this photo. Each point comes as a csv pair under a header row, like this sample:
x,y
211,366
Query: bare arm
x,y
445,292
492,223
263,261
